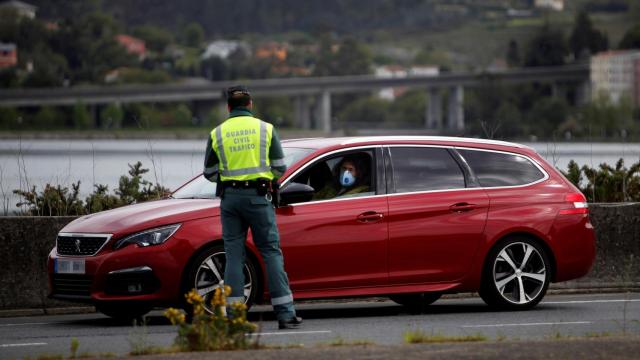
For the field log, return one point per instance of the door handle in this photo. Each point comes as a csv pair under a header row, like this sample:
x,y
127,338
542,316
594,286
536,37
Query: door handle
x,y
370,216
462,207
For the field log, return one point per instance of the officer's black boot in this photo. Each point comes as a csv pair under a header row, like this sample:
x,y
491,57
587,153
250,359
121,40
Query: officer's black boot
x,y
292,323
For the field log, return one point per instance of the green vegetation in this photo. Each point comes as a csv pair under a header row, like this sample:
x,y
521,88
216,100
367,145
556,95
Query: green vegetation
x,y
220,330
606,183
420,337
59,201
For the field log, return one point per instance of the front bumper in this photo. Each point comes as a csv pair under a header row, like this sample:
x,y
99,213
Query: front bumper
x,y
148,274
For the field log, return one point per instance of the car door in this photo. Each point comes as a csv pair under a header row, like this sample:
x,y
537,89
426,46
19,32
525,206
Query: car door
x,y
339,242
437,215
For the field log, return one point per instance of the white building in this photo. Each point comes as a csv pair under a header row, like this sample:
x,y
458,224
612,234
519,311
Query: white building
x,y
23,9
397,71
222,48
557,5
617,74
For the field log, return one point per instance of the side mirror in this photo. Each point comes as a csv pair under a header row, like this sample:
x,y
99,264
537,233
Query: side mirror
x,y
295,193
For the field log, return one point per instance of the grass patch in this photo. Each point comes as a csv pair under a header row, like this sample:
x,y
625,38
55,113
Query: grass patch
x,y
420,337
342,342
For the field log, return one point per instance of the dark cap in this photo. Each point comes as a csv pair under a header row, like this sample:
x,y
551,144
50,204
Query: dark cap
x,y
237,90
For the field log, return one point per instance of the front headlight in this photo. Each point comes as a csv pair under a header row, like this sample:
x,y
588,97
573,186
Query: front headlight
x,y
150,237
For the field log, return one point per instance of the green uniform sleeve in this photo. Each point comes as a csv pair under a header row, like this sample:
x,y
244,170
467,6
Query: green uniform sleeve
x,y
276,155
210,163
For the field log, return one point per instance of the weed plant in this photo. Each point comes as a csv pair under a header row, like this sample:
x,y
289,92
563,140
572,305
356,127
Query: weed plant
x,y
226,328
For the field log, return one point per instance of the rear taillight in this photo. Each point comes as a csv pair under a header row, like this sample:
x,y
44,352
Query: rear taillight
x,y
576,204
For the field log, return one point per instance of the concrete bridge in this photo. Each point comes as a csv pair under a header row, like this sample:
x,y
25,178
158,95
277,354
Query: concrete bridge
x,y
312,96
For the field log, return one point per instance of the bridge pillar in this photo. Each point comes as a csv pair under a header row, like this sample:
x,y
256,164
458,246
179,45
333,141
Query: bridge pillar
x,y
325,111
583,93
455,109
433,116
303,112
201,110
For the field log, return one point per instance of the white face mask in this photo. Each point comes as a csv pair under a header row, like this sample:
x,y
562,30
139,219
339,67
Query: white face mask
x,y
346,178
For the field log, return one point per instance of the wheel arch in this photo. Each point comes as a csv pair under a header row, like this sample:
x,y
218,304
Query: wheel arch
x,y
533,237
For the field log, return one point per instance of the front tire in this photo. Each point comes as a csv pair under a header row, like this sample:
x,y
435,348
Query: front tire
x,y
517,274
207,274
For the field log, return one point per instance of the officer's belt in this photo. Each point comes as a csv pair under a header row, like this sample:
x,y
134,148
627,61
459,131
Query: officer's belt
x,y
244,184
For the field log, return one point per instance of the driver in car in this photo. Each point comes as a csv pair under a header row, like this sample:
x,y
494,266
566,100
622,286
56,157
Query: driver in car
x,y
351,176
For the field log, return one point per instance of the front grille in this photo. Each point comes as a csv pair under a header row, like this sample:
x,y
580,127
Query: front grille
x,y
71,284
79,245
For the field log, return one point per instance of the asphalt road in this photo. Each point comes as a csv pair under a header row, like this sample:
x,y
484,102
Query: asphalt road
x,y
378,322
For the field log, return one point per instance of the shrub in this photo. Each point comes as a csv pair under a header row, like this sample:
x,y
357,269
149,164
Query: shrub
x,y
212,331
605,183
59,201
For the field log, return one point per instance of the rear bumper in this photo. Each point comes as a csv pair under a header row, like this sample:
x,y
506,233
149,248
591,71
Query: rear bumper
x,y
574,246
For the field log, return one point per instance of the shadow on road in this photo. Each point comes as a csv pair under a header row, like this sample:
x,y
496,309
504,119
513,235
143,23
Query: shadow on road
x,y
321,311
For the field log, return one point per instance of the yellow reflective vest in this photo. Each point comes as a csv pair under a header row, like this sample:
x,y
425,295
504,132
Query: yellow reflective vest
x,y
242,144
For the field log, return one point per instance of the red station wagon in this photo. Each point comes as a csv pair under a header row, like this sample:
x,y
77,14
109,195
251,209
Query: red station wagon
x,y
436,215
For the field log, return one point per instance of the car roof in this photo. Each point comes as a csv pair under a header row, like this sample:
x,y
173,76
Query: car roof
x,y
319,143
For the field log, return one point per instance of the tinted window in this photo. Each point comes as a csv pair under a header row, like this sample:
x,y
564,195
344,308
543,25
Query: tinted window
x,y
422,169
500,169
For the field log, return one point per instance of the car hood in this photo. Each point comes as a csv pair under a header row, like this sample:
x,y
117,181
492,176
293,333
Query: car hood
x,y
133,218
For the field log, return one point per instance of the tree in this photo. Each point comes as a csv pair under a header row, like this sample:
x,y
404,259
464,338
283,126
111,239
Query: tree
x,y
353,58
585,39
547,48
324,63
81,117
155,38
513,54
631,38
193,34
111,116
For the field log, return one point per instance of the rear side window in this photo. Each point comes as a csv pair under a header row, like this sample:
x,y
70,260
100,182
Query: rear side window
x,y
501,169
424,169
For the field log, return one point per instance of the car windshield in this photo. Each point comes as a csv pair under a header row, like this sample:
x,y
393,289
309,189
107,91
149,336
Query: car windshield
x,y
201,188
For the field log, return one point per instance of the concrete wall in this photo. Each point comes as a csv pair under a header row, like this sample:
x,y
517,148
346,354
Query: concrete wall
x,y
25,243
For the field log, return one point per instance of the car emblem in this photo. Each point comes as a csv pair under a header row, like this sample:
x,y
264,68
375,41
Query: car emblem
x,y
78,251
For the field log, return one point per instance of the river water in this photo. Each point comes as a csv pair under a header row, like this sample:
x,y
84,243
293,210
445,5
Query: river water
x,y
25,163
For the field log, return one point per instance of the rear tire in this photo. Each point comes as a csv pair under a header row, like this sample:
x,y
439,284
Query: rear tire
x,y
516,275
415,302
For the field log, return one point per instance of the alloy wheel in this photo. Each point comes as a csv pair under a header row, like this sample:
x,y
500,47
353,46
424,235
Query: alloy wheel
x,y
210,276
519,273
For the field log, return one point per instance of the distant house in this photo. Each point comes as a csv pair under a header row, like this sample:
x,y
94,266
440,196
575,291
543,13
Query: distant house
x,y
222,49
616,74
8,55
133,45
557,5
397,71
272,50
23,9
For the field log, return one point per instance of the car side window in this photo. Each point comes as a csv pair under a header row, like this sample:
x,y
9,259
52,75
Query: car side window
x,y
501,169
424,169
340,176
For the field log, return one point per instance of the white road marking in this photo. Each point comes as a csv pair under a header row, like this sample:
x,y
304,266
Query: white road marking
x,y
530,324
590,301
24,344
24,324
292,332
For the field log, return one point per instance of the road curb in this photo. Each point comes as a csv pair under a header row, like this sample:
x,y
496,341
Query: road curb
x,y
63,310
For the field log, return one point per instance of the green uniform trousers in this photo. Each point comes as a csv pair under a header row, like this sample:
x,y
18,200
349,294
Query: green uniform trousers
x,y
240,210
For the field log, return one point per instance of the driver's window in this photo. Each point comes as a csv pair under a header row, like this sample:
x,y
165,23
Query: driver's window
x,y
344,175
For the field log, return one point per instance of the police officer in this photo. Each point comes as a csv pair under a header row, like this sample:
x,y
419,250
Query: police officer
x,y
244,156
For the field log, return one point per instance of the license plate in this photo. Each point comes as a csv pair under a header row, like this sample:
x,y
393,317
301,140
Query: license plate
x,y
69,266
